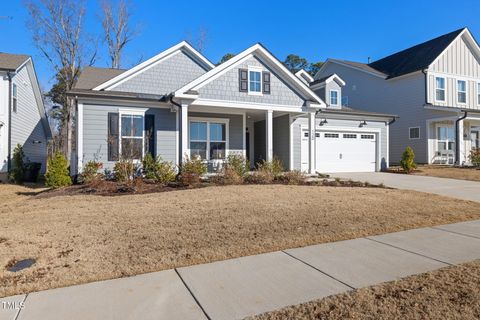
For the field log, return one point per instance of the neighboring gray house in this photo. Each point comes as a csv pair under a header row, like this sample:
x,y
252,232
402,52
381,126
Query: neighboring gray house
x,y
434,87
178,104
22,114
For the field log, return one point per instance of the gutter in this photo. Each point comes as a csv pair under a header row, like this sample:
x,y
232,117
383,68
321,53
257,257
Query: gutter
x,y
457,138
9,156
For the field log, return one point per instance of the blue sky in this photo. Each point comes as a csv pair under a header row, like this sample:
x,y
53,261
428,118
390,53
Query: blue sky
x,y
316,30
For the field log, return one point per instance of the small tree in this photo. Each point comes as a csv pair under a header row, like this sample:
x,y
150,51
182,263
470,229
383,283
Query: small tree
x,y
57,172
475,157
408,160
18,170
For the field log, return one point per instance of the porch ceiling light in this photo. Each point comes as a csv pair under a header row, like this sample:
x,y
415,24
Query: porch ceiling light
x,y
363,123
324,121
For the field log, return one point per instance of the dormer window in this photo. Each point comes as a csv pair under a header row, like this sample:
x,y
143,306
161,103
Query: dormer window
x,y
333,97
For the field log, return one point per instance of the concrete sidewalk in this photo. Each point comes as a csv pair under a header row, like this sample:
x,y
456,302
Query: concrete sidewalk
x,y
238,288
461,189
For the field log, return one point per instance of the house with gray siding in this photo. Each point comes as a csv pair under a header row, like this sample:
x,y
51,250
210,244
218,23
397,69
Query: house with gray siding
x,y
22,113
179,105
434,87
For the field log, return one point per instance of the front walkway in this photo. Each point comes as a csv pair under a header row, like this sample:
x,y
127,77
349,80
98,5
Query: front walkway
x,y
461,189
237,288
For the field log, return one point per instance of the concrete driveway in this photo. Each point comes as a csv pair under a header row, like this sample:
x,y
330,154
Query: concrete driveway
x,y
461,189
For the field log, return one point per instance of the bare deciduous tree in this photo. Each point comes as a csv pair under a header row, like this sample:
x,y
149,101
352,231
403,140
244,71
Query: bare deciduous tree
x,y
200,40
57,27
117,29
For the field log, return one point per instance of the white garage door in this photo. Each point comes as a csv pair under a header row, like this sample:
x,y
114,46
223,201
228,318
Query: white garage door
x,y
345,151
342,151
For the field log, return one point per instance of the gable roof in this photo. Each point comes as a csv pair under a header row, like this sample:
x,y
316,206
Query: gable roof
x,y
326,79
9,61
415,58
185,46
304,76
93,76
190,89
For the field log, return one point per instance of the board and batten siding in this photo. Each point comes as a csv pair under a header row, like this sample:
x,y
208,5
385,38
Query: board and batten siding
x,y
95,133
402,96
27,126
301,123
165,77
226,88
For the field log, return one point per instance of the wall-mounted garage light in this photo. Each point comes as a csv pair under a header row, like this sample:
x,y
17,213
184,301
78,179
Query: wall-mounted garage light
x,y
363,123
324,121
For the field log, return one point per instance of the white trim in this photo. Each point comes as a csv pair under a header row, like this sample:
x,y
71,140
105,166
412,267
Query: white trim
x,y
409,133
387,157
79,137
131,112
208,120
152,61
269,135
302,74
457,91
477,96
257,70
435,88
290,140
177,139
228,65
244,133
312,143
246,105
330,97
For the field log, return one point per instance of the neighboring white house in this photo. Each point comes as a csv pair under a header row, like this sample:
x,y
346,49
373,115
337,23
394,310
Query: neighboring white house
x,y
178,104
434,87
22,114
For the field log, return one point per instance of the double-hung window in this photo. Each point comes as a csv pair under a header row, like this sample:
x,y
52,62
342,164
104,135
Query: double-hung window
x,y
14,98
440,89
461,91
208,139
333,97
255,81
132,136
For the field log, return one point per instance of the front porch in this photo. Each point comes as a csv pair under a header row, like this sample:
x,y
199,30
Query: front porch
x,y
443,135
214,133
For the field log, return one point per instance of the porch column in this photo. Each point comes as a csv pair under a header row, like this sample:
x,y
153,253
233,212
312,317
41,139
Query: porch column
x,y
461,144
311,142
184,132
269,134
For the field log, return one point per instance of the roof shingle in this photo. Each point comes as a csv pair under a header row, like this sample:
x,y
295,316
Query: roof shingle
x,y
9,61
91,77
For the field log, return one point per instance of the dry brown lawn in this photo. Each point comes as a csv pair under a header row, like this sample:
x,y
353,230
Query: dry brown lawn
x,y
449,172
449,293
83,238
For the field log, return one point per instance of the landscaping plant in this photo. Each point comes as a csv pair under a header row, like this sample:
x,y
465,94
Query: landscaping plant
x,y
57,172
18,170
274,167
475,157
191,170
294,177
124,170
237,163
158,170
408,160
91,171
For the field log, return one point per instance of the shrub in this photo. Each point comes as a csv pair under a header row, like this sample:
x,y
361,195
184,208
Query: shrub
x,y
124,170
274,167
191,170
293,177
57,172
158,170
228,177
261,176
238,164
475,157
18,171
90,171
408,160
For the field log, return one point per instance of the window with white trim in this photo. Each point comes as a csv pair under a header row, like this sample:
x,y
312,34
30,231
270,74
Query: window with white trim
x,y
208,139
414,133
439,89
131,142
255,81
333,97
14,98
461,91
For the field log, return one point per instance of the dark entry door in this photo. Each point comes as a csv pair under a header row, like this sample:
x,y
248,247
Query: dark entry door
x,y
150,134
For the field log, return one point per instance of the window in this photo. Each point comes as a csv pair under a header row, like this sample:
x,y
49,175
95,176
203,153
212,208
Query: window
x,y
208,139
440,89
331,135
349,136
461,91
414,133
305,134
333,97
131,136
367,136
255,81
445,138
14,97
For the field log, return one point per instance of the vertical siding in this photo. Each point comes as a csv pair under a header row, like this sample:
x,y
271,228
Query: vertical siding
x,y
95,133
27,125
281,139
165,77
459,60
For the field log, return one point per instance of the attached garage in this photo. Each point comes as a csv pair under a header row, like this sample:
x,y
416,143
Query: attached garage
x,y
342,150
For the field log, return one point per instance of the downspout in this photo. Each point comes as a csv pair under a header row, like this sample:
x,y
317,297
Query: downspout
x,y
457,137
424,71
179,110
9,156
